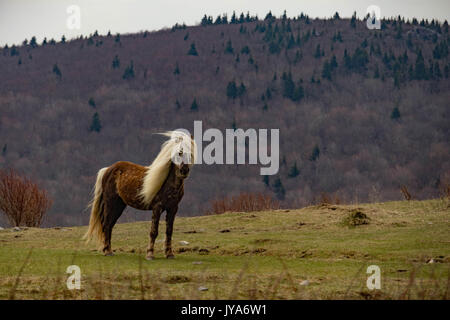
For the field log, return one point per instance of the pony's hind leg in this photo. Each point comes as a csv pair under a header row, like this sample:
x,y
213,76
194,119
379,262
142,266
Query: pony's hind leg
x,y
153,232
113,210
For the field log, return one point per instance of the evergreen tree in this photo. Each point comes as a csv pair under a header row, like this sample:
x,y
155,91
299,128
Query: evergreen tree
x,y
268,94
129,71
194,105
232,90
266,180
395,114
326,70
333,63
353,20
233,18
376,74
57,71
92,102
241,90
293,171
116,62
224,19
269,17
278,189
298,93
177,69
288,85
33,42
95,125
318,52
229,48
204,21
315,153
437,70
360,59
347,60
245,50
193,51
218,20
420,70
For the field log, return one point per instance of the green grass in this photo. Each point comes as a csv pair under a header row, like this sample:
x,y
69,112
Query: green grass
x,y
265,255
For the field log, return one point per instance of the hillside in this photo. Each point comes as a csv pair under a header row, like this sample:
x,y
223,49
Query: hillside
x,y
361,112
244,255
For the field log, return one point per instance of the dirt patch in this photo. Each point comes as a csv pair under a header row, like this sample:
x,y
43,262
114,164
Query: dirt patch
x,y
258,250
175,279
241,252
305,254
399,224
355,218
261,241
196,249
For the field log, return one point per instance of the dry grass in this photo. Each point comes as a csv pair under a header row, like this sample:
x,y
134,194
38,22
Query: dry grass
x,y
254,255
244,202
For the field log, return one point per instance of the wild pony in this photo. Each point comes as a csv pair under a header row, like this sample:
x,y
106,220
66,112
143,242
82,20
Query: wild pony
x,y
158,187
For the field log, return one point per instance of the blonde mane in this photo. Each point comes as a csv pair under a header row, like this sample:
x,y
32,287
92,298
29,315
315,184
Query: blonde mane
x,y
158,171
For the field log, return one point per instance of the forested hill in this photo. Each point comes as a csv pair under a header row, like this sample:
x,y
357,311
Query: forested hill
x,y
361,112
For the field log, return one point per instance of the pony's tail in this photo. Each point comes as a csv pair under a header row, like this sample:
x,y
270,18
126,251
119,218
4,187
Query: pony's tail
x,y
97,206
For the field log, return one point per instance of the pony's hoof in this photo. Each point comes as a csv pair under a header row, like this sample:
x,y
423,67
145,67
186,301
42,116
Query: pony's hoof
x,y
170,256
149,258
109,254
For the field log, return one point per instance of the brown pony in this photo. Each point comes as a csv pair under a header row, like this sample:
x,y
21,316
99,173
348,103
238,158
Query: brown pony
x,y
158,187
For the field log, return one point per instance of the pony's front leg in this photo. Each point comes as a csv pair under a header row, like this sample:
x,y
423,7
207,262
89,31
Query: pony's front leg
x,y
153,233
170,218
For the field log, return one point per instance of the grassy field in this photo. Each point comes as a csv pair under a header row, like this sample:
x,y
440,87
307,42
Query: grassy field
x,y
311,253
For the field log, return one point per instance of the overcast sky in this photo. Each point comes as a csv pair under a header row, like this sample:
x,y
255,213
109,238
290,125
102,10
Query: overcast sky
x,y
22,19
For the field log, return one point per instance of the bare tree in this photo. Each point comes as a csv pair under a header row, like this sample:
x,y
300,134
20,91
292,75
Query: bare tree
x,y
21,199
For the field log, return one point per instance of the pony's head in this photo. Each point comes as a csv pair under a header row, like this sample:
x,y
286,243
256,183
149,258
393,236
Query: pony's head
x,y
180,150
183,152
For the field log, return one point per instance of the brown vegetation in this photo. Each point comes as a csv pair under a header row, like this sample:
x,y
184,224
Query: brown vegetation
x,y
405,193
244,202
326,199
21,200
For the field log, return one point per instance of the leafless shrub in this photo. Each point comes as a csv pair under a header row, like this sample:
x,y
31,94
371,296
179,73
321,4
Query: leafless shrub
x,y
405,193
21,199
444,190
244,202
326,199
